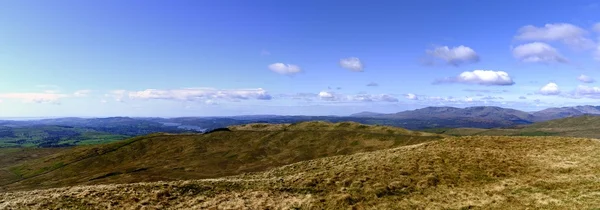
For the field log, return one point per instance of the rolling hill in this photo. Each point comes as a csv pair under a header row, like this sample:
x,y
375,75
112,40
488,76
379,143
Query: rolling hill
x,y
563,112
481,112
66,132
488,113
454,173
247,148
582,126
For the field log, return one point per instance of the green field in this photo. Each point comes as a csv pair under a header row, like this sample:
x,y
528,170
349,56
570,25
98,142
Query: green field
x,y
53,136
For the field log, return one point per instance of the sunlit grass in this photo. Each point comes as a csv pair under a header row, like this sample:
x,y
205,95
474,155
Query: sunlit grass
x,y
455,173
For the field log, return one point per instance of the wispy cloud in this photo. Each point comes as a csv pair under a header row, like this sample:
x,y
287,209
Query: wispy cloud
x,y
372,84
193,94
286,69
568,34
332,96
485,90
587,92
117,95
585,79
44,97
352,64
82,93
265,53
453,56
538,52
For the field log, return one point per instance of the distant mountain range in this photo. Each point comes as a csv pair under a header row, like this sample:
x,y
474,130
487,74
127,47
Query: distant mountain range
x,y
60,132
491,113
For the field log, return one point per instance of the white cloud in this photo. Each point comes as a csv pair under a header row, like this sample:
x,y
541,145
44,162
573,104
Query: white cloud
x,y
82,93
352,64
363,97
522,97
44,97
449,99
569,34
492,97
118,95
411,96
454,56
286,69
480,77
549,89
586,91
298,96
328,96
192,94
387,98
485,90
585,79
373,98
538,52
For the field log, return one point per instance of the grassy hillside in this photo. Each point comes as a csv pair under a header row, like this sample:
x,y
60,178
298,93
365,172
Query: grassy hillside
x,y
568,124
455,173
583,126
14,156
247,148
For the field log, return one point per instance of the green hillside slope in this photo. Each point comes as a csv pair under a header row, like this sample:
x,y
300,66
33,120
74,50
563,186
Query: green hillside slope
x,y
248,148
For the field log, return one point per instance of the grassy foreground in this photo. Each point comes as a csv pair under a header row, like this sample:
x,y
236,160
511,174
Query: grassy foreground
x,y
454,173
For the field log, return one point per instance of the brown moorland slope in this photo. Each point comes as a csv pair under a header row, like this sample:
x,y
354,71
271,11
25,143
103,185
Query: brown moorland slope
x,y
481,172
164,157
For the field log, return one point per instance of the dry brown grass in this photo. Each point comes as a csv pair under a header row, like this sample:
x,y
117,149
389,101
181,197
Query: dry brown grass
x,y
455,173
165,157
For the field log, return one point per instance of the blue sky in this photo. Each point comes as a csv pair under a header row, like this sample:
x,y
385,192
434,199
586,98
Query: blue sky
x,y
213,58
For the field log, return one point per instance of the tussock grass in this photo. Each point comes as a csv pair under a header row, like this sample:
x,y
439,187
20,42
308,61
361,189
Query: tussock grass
x,y
454,173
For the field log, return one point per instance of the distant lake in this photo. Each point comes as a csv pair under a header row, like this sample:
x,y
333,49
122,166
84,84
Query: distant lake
x,y
186,127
